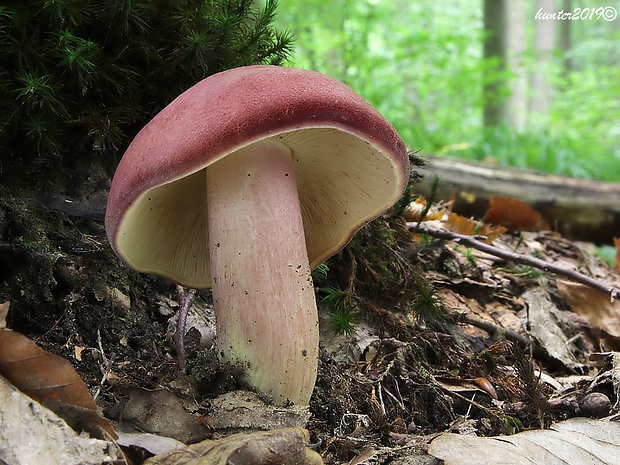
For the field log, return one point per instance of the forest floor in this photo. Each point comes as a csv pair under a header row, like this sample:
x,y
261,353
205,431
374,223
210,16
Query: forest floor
x,y
513,348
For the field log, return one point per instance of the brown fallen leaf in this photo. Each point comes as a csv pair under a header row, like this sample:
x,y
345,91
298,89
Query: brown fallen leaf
x,y
459,385
243,409
593,305
486,386
416,208
285,446
4,311
466,226
572,442
515,214
31,434
617,258
50,380
161,412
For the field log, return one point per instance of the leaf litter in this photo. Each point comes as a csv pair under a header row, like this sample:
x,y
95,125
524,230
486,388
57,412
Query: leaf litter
x,y
516,352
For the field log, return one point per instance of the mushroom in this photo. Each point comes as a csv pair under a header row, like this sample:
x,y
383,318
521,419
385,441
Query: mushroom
x,y
244,183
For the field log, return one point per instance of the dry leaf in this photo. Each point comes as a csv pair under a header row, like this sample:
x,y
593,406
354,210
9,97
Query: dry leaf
x,y
592,304
31,434
4,311
161,412
77,352
246,409
459,385
547,323
572,442
486,386
285,446
617,259
414,211
466,226
515,214
51,380
151,443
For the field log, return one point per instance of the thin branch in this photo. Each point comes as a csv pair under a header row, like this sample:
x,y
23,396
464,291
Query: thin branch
x,y
107,362
471,241
493,330
185,299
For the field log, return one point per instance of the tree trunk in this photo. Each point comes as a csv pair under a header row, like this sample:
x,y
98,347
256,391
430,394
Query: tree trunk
x,y
494,47
516,104
565,41
544,45
578,208
504,24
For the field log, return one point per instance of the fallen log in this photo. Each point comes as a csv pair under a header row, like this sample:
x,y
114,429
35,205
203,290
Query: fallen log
x,y
580,209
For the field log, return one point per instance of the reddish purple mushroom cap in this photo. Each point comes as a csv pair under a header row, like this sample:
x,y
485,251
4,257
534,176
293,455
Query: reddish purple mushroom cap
x,y
350,165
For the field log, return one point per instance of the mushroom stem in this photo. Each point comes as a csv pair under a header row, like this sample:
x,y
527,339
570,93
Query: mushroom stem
x,y
266,315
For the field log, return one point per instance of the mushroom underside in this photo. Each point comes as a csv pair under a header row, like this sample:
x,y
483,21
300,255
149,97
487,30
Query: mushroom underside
x,y
343,181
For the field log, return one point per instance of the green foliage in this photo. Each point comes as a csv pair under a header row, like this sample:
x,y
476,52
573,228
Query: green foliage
x,y
426,304
342,310
337,299
470,257
410,60
81,77
511,425
582,156
421,65
607,254
320,272
340,305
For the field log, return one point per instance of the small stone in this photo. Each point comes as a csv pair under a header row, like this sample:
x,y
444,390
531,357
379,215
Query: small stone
x,y
595,404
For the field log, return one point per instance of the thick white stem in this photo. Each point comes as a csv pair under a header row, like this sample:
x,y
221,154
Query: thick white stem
x,y
263,295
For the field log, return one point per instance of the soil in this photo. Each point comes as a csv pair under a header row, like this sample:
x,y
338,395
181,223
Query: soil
x,y
387,387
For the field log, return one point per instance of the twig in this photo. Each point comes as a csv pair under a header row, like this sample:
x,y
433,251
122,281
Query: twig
x,y
492,329
497,413
185,298
471,241
107,363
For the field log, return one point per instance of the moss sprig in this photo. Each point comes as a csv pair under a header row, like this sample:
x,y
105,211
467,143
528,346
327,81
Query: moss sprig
x,y
79,78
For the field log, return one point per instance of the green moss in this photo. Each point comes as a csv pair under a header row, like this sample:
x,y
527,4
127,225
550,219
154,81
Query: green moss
x,y
78,79
342,310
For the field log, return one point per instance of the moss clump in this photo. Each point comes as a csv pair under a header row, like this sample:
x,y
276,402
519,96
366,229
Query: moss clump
x,y
80,77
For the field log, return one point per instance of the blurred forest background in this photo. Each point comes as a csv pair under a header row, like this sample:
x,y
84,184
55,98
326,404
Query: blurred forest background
x,y
484,80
